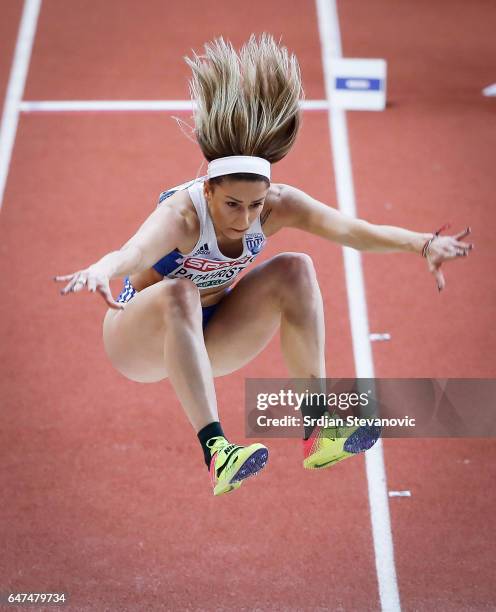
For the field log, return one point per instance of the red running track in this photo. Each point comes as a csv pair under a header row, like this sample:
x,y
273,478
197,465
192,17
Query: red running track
x,y
106,496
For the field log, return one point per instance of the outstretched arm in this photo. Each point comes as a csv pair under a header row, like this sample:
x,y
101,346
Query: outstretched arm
x,y
160,233
299,210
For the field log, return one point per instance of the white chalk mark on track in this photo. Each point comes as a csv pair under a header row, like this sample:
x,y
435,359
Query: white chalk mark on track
x,y
15,87
330,39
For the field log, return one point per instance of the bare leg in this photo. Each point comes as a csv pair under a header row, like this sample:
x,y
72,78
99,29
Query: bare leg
x,y
282,291
285,291
302,322
159,333
185,355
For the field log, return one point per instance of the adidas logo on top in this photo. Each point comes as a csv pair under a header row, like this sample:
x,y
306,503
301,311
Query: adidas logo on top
x,y
203,250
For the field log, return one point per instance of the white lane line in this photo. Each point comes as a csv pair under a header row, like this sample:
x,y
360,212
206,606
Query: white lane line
x,y
29,106
15,87
330,39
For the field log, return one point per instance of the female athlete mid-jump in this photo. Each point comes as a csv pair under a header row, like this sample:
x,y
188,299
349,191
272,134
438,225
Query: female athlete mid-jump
x,y
180,315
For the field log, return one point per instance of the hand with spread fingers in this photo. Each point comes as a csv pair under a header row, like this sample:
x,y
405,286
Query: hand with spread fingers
x,y
439,249
92,278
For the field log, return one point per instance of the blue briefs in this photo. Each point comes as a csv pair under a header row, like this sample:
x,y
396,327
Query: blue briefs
x,y
128,292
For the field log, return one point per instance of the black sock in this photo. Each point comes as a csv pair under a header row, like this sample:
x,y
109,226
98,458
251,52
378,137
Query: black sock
x,y
209,431
314,411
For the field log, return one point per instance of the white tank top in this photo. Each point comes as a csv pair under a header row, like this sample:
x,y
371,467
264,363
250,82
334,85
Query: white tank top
x,y
205,265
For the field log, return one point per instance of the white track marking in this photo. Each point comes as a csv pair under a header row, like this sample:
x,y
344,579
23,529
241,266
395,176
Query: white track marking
x,y
490,90
29,106
15,87
380,337
376,476
105,105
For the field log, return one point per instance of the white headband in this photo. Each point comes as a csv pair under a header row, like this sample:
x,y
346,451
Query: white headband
x,y
238,163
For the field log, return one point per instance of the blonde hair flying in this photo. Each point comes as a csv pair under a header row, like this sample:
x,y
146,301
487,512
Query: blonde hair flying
x,y
246,104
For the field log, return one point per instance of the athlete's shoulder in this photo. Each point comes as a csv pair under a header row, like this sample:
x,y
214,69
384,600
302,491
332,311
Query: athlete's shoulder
x,y
180,193
179,199
273,213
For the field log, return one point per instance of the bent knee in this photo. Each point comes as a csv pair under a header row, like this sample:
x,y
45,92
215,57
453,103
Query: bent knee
x,y
296,268
176,294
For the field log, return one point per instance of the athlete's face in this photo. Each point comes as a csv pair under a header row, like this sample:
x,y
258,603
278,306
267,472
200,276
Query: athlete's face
x,y
234,205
